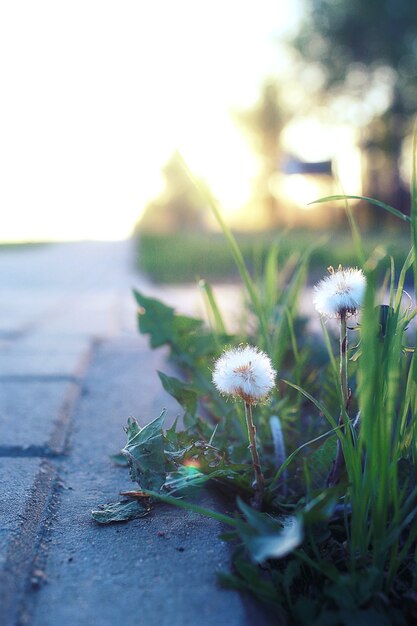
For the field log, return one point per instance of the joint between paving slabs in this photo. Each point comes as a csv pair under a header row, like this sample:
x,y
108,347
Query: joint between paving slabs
x,y
39,378
57,445
26,552
23,571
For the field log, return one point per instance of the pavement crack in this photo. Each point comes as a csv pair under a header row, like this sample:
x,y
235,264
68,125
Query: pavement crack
x,y
21,557
29,452
47,378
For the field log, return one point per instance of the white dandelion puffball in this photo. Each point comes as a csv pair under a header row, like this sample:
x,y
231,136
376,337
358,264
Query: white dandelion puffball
x,y
340,293
245,372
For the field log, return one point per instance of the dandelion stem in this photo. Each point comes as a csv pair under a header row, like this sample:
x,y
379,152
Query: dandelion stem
x,y
344,385
259,482
343,358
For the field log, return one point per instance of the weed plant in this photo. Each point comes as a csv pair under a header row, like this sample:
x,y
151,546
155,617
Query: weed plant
x,y
335,539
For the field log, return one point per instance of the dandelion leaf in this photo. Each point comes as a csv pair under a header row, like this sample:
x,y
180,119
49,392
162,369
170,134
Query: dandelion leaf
x,y
160,322
184,394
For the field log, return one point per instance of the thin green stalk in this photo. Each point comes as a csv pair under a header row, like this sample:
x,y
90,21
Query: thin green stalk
x,y
224,519
342,442
259,482
414,207
237,255
343,359
295,452
334,366
356,237
409,262
212,308
322,409
378,203
328,572
414,583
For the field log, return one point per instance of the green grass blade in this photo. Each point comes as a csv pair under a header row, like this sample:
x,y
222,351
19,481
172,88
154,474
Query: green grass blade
x,y
295,452
316,403
356,237
236,253
212,307
224,519
270,278
378,203
414,208
410,261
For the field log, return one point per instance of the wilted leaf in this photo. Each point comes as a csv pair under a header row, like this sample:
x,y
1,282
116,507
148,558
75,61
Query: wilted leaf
x,y
120,512
145,454
178,455
132,428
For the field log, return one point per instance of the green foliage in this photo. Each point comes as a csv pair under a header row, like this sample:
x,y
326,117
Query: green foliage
x,y
18,247
267,538
162,325
179,257
382,205
335,539
145,453
185,394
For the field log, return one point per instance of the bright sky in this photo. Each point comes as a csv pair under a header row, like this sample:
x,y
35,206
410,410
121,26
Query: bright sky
x,y
97,94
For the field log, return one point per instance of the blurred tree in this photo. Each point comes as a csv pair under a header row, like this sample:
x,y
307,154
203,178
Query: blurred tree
x,y
264,123
367,53
178,207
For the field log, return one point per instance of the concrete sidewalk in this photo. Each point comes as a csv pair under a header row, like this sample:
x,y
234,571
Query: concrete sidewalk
x,y
72,369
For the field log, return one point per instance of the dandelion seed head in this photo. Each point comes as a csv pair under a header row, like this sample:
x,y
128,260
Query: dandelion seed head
x,y
245,372
340,293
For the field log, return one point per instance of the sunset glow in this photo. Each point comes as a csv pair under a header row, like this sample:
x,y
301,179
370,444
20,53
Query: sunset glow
x,y
98,94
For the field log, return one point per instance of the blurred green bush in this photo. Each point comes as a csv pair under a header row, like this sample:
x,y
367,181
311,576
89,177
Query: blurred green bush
x,y
186,257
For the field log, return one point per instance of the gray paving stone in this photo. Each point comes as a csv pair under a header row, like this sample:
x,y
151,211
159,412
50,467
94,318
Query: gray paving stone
x,y
27,488
33,414
20,310
91,315
67,267
17,478
158,571
44,339
17,360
